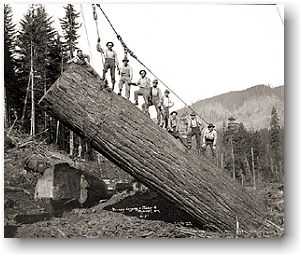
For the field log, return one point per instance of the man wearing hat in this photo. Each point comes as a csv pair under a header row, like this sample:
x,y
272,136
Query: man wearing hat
x,y
126,77
175,126
155,99
110,60
83,59
195,127
209,139
144,89
166,104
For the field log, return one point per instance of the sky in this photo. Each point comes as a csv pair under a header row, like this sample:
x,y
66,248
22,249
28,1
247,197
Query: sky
x,y
198,50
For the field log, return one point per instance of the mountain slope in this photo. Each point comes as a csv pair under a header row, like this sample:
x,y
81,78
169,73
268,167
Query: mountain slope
x,y
252,106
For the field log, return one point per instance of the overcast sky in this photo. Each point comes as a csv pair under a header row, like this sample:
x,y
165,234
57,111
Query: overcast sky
x,y
198,50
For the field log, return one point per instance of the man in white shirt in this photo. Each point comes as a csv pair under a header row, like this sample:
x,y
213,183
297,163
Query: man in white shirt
x,y
110,60
209,139
126,77
166,104
195,127
144,90
155,99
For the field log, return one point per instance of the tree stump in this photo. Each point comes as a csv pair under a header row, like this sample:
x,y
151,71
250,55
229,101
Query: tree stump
x,y
62,183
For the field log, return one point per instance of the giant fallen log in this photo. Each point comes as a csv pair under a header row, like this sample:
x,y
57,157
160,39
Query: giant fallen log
x,y
130,139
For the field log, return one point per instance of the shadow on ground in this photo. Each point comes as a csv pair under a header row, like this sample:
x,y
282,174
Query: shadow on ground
x,y
151,206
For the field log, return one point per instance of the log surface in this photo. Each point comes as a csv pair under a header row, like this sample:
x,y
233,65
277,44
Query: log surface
x,y
130,139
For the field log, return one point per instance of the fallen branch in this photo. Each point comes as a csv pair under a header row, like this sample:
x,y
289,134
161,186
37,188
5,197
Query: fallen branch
x,y
11,188
275,225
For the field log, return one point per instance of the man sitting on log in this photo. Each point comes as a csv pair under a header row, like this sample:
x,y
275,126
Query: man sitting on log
x,y
83,60
173,127
110,60
209,139
144,90
195,127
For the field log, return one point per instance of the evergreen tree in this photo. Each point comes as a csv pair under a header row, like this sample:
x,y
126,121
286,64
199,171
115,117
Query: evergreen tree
x,y
11,92
70,28
275,141
36,42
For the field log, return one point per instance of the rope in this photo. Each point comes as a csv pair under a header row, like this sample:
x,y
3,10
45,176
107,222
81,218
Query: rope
x,y
86,32
95,17
140,62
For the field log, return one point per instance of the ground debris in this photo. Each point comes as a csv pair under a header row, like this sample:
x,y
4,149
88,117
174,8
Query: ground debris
x,y
125,215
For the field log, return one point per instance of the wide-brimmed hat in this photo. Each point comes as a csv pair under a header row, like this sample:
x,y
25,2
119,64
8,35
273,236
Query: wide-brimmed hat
x,y
193,114
140,72
173,113
125,59
110,43
167,91
155,81
211,125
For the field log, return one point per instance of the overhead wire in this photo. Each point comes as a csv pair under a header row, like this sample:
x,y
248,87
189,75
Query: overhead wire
x,y
82,11
150,71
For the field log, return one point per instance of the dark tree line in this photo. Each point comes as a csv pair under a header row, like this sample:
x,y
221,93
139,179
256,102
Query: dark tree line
x,y
34,57
253,156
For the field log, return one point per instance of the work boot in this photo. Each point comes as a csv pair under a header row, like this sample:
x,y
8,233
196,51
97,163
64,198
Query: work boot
x,y
136,103
119,93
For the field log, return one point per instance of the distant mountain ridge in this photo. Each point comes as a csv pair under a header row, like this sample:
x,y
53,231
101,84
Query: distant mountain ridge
x,y
252,106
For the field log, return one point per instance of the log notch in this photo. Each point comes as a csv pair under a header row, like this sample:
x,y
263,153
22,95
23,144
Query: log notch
x,y
127,137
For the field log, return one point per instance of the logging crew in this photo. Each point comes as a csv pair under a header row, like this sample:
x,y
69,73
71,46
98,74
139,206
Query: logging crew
x,y
125,78
155,99
144,90
209,139
166,104
110,60
195,127
83,60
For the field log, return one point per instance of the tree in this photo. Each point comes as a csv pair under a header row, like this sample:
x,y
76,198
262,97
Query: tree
x,y
11,92
275,142
70,28
210,196
36,41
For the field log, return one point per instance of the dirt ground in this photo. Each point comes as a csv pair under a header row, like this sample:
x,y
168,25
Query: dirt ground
x,y
125,215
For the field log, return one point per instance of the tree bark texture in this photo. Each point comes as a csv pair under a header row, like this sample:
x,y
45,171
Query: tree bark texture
x,y
130,139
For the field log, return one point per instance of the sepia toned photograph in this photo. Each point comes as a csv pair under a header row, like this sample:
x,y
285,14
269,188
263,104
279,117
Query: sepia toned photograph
x,y
143,120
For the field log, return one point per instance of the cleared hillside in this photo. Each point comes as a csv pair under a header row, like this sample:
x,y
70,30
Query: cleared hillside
x,y
252,106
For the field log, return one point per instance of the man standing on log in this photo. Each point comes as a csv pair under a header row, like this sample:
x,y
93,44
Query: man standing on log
x,y
110,60
83,60
183,128
155,100
144,90
166,104
209,139
195,128
126,77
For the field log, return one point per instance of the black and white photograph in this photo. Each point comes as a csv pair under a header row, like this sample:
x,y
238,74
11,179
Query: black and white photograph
x,y
143,120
